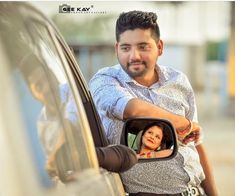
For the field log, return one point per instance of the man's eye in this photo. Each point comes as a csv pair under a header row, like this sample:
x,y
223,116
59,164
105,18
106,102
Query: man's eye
x,y
142,47
125,48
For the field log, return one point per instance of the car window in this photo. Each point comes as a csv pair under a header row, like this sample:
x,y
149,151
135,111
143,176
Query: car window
x,y
51,116
97,130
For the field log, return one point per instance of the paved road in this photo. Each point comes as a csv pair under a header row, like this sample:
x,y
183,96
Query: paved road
x,y
219,132
220,144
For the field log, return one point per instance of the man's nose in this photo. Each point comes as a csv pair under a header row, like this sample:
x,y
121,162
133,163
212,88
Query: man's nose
x,y
135,54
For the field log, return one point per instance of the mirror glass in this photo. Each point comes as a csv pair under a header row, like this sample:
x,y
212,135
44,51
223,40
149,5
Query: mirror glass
x,y
150,138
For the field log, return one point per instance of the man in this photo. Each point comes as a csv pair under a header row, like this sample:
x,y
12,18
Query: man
x,y
140,87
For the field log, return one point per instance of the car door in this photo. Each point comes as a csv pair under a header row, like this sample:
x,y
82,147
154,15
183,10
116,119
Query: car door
x,y
42,93
94,121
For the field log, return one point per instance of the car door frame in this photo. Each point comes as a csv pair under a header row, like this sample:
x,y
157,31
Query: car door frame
x,y
95,123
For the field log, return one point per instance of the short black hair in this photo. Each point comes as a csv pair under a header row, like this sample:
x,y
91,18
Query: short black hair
x,y
137,19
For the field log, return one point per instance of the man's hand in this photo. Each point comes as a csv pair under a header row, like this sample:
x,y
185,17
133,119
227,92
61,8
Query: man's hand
x,y
195,135
192,133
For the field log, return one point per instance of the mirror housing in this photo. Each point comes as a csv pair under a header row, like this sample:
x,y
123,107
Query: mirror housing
x,y
135,135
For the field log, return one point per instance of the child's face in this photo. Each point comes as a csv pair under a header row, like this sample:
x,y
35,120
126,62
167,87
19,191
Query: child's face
x,y
152,137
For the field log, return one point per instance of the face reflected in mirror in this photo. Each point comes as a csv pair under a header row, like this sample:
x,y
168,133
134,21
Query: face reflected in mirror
x,y
150,138
152,142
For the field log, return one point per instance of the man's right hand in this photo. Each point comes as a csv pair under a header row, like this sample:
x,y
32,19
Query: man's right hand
x,y
193,134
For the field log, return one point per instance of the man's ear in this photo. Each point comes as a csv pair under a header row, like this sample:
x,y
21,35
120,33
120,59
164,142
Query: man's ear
x,y
160,47
116,47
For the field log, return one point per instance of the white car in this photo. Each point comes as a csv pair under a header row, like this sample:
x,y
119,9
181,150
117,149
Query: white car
x,y
39,81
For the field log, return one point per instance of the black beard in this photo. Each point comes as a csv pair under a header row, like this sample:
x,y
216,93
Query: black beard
x,y
131,74
140,62
136,74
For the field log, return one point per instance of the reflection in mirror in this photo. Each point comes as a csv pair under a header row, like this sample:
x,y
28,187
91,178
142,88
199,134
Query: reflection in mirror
x,y
55,117
57,121
150,138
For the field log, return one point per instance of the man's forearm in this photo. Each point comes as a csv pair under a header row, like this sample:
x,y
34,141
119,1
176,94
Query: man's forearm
x,y
209,183
137,108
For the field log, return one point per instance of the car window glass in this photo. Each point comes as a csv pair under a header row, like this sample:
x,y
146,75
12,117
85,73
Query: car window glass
x,y
69,119
48,107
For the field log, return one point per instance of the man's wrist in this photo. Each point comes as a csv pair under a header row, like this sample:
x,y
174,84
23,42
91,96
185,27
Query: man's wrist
x,y
187,130
187,125
182,123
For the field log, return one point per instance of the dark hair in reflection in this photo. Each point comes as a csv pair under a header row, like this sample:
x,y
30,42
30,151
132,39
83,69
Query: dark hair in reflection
x,y
35,70
41,82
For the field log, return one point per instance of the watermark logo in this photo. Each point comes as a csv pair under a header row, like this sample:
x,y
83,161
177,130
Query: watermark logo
x,y
65,8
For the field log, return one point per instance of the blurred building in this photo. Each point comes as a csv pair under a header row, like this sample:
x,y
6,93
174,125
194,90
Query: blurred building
x,y
196,37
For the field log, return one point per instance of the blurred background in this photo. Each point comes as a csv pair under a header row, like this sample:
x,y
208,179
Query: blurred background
x,y
199,40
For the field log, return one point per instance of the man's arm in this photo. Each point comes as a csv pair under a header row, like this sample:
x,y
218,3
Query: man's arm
x,y
143,108
209,183
113,99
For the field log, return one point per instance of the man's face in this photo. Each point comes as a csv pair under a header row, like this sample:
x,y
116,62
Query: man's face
x,y
138,51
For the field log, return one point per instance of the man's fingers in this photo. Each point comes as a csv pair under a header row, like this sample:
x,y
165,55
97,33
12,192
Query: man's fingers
x,y
193,136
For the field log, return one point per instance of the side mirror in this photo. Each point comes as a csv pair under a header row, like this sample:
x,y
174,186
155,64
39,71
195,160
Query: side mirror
x,y
150,138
